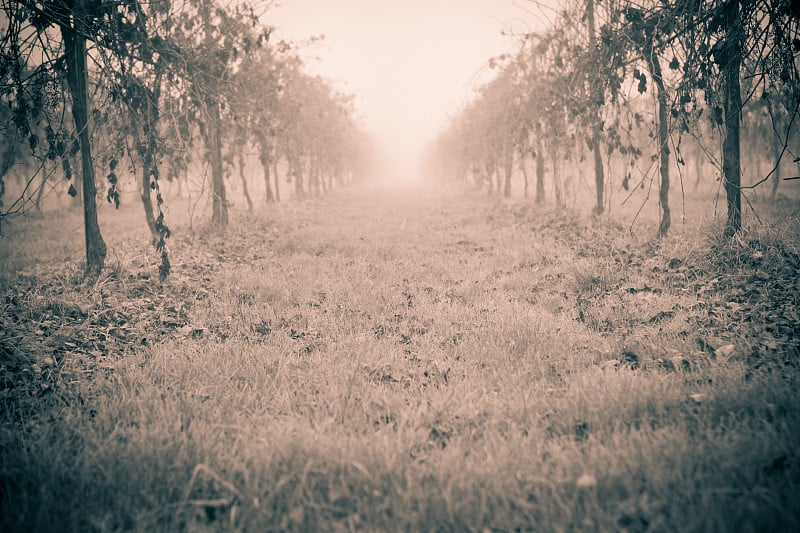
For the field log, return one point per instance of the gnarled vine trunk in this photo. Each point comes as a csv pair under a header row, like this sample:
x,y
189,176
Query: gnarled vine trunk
x,y
557,179
277,180
663,137
219,203
597,128
508,168
296,164
730,60
524,171
150,154
265,162
77,79
539,172
243,177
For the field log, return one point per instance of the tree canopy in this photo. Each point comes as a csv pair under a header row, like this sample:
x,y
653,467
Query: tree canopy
x,y
590,79
153,84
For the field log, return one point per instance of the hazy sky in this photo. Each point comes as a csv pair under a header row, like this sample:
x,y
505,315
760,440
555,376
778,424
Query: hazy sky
x,y
410,62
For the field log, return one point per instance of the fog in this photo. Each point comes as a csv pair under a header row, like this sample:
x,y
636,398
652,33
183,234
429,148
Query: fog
x,y
410,63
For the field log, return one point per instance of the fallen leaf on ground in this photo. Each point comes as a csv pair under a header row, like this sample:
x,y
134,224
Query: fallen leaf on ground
x,y
725,352
186,330
698,397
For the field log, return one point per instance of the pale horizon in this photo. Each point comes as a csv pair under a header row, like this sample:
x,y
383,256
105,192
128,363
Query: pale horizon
x,y
410,64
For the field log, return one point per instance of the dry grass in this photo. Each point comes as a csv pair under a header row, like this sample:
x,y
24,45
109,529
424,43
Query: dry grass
x,y
405,361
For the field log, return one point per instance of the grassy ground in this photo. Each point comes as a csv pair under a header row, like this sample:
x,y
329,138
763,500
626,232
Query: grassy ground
x,y
403,360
